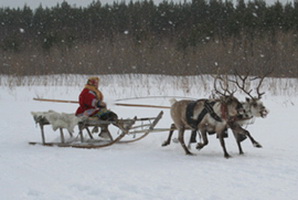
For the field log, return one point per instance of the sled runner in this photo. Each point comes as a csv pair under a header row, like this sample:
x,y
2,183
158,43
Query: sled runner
x,y
129,130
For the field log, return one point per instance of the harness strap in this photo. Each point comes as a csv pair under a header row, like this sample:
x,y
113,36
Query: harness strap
x,y
189,114
208,108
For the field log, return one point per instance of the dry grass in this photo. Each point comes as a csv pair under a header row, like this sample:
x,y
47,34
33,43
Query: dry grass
x,y
159,56
135,85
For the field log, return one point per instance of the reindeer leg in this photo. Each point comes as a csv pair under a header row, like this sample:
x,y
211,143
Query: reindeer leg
x,y
192,138
205,140
181,140
168,141
239,134
239,130
253,141
238,141
222,142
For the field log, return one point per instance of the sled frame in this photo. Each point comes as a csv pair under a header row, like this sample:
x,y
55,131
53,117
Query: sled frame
x,y
129,128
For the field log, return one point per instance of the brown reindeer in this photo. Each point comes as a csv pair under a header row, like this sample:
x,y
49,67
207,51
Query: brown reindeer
x,y
205,115
253,107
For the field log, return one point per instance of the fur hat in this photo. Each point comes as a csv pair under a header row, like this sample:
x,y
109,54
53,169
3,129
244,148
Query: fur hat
x,y
92,80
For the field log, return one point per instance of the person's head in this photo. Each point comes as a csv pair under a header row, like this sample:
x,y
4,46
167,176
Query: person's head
x,y
93,81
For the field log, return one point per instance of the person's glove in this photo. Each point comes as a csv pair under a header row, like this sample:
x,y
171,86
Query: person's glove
x,y
101,104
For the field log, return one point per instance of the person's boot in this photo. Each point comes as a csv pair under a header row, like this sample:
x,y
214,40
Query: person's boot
x,y
123,125
95,129
104,133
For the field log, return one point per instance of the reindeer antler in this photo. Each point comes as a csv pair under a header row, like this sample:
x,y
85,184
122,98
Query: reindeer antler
x,y
242,84
223,85
215,87
243,80
259,85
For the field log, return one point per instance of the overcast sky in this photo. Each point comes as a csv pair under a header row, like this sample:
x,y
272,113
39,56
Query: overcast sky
x,y
79,3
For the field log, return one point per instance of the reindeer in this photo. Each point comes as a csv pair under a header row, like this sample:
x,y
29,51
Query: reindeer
x,y
253,107
205,115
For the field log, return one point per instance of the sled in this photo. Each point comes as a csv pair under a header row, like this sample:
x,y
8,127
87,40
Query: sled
x,y
128,130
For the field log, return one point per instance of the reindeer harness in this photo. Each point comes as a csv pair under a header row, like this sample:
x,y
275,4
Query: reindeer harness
x,y
208,108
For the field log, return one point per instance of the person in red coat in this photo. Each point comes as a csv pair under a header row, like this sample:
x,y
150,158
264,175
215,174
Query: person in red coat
x,y
92,104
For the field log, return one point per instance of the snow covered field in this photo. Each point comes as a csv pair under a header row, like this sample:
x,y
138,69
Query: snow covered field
x,y
144,169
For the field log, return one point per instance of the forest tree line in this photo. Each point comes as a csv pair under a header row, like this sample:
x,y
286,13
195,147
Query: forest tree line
x,y
189,38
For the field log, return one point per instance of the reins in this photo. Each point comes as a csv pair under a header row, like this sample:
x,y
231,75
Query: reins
x,y
224,111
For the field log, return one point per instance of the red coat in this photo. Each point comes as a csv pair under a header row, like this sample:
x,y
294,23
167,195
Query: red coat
x,y
87,101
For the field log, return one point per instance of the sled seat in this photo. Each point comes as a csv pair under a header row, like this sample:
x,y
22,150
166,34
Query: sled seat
x,y
68,122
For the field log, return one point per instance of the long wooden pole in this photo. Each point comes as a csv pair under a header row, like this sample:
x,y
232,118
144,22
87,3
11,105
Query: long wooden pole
x,y
154,97
141,105
55,100
117,104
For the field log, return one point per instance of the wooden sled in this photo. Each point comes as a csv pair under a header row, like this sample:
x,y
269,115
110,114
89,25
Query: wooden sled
x,y
129,130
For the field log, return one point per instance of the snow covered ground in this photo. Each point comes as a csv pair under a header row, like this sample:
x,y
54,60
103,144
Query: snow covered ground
x,y
144,169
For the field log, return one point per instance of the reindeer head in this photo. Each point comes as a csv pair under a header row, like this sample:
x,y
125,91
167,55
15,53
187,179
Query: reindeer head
x,y
253,105
228,100
234,106
255,108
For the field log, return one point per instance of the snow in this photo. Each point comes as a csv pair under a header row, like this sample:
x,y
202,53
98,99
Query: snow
x,y
144,169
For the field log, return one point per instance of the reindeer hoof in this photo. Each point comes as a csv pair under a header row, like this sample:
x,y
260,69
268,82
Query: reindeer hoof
x,y
165,144
227,156
257,145
200,146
